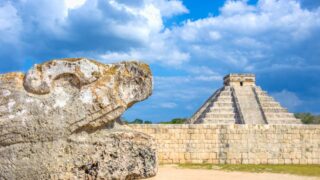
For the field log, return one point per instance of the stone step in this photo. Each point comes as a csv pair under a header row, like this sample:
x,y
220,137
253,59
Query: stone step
x,y
223,104
215,121
244,91
274,110
280,119
262,93
279,115
228,98
222,119
224,100
252,117
270,104
246,98
212,115
265,98
225,93
222,110
248,104
284,121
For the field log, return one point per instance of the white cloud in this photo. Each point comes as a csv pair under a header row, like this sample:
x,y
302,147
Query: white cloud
x,y
99,28
214,35
203,73
208,78
171,7
203,70
149,55
243,36
250,36
287,99
10,24
236,7
169,105
73,4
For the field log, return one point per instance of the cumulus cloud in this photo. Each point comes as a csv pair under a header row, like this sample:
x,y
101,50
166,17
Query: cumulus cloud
x,y
169,105
44,29
156,53
287,99
10,23
251,36
73,4
232,8
171,8
242,35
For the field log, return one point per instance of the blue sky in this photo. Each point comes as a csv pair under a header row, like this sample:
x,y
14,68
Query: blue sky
x,y
190,45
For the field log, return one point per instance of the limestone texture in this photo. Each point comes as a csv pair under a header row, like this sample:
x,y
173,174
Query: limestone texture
x,y
55,121
241,101
235,143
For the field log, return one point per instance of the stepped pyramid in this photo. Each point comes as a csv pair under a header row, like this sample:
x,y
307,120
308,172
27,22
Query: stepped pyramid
x,y
240,101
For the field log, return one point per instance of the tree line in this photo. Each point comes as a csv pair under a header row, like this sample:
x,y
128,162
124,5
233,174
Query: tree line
x,y
140,121
308,118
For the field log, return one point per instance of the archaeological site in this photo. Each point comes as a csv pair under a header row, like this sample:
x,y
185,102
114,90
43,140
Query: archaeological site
x,y
239,124
60,120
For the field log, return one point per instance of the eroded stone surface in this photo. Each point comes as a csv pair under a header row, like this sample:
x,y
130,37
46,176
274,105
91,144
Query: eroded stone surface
x,y
103,154
62,104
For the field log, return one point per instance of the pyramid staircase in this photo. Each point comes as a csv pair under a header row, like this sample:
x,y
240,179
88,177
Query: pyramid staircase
x,y
247,102
273,111
240,101
219,108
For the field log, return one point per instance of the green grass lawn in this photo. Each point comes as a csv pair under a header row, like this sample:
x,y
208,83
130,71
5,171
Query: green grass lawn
x,y
303,170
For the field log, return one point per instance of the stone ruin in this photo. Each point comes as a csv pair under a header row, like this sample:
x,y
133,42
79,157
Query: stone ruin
x,y
241,101
54,119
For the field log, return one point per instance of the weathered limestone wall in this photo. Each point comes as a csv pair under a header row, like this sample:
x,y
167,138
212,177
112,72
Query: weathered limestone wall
x,y
235,144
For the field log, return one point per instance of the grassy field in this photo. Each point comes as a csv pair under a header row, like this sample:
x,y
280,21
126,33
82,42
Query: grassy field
x,y
302,170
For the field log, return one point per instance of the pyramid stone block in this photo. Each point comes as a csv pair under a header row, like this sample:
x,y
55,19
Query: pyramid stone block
x,y
241,101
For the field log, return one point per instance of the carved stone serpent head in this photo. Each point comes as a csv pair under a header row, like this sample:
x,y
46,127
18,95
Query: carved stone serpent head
x,y
61,97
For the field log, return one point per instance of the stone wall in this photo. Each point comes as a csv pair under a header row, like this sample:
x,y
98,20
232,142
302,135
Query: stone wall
x,y
235,144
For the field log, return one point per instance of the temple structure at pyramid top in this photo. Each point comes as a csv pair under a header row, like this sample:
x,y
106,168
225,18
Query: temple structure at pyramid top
x,y
241,101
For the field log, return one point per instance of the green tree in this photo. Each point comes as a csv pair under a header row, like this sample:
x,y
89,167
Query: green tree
x,y
136,121
308,118
175,121
139,121
147,122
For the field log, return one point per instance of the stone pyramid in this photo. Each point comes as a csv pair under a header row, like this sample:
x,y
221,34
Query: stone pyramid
x,y
241,101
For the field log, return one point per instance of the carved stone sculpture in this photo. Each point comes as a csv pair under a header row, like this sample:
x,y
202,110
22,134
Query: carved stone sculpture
x,y
53,121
